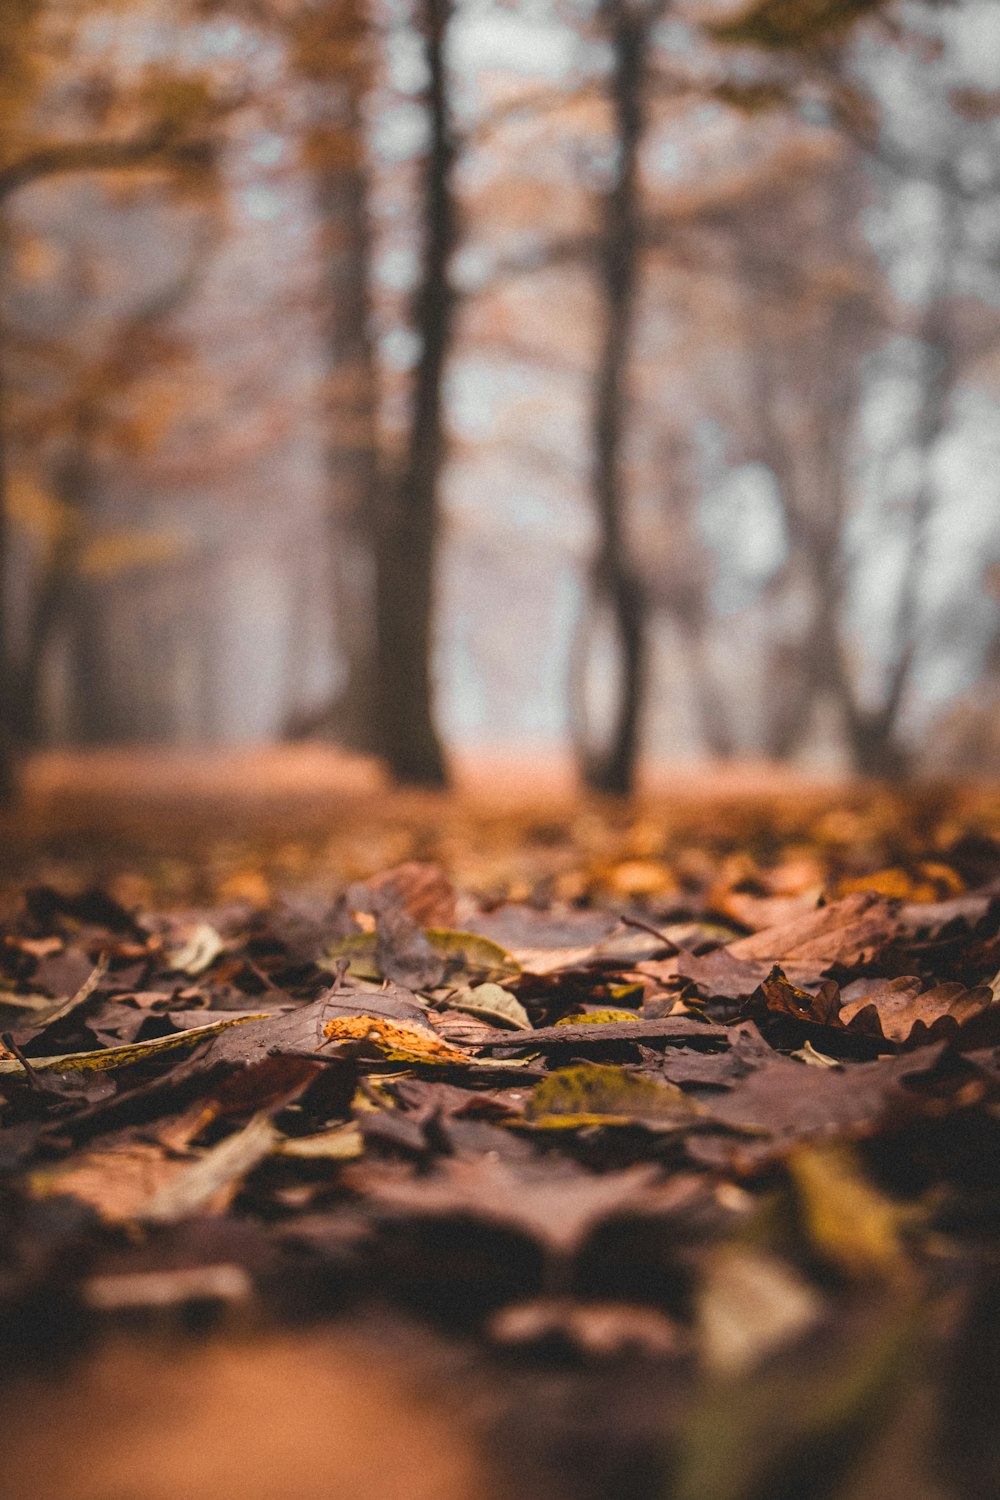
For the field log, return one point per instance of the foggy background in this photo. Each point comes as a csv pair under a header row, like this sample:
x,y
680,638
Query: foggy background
x,y
435,374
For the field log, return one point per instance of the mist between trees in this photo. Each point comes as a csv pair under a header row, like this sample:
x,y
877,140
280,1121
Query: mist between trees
x,y
415,373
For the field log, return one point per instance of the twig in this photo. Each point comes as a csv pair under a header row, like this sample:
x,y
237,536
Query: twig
x,y
31,1077
87,988
637,922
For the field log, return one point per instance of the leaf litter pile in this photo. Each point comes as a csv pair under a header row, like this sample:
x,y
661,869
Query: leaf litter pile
x,y
710,1170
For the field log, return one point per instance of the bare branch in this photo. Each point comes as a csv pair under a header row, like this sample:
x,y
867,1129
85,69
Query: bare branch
x,y
102,156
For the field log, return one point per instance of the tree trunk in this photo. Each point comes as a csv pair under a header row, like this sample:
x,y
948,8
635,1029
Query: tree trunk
x,y
408,520
337,147
58,584
8,700
615,581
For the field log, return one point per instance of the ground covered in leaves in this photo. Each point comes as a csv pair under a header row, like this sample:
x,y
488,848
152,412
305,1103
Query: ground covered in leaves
x,y
659,1147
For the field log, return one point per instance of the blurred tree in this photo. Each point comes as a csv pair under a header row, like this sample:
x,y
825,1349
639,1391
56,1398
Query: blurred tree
x,y
616,583
332,48
408,520
822,328
92,400
166,120
384,505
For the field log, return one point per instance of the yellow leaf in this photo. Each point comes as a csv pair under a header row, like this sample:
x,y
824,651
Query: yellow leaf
x,y
847,1219
396,1041
597,1017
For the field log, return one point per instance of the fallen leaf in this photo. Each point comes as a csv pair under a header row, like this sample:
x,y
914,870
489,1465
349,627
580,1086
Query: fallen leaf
x,y
907,1012
749,1306
490,1002
791,1102
718,975
133,1291
211,1181
342,1143
594,1094
461,953
557,1207
777,996
774,1429
849,1223
196,950
423,890
847,932
128,1056
605,1330
396,1041
115,1180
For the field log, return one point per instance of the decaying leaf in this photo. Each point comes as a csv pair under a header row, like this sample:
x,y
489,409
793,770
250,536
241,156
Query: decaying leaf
x,y
706,1195
774,1429
396,1041
424,891
593,1094
846,932
126,1057
117,1181
907,1012
601,1017
490,1002
777,996
195,950
462,954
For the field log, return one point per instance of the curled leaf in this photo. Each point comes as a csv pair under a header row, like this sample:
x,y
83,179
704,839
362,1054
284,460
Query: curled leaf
x,y
126,1056
777,996
196,950
492,1003
396,1041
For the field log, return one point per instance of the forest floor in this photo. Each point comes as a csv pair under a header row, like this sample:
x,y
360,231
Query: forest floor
x,y
358,1142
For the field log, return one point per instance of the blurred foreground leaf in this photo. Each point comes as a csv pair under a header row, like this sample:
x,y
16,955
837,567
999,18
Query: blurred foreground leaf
x,y
796,1427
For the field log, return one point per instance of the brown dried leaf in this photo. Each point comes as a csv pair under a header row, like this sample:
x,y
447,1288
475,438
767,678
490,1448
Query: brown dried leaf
x,y
422,890
556,1204
848,932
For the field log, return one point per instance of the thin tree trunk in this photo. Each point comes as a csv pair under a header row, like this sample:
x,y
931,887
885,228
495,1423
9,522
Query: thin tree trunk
x,y
8,699
409,509
615,581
